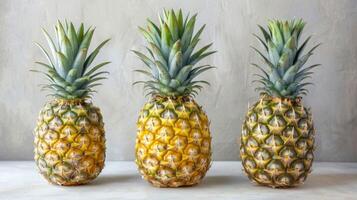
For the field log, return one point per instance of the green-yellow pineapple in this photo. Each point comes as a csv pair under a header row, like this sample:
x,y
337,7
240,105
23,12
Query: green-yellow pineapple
x,y
69,136
173,145
277,140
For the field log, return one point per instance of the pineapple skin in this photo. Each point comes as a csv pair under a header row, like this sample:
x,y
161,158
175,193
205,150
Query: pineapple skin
x,y
277,142
69,142
173,144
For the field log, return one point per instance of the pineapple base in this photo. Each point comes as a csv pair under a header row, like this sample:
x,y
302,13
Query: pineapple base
x,y
69,142
173,144
277,142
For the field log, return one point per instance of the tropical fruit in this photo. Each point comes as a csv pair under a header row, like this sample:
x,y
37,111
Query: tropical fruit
x,y
69,135
277,140
173,145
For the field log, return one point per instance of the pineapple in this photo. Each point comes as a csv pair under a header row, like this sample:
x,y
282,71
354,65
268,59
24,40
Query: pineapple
x,y
277,140
173,145
69,136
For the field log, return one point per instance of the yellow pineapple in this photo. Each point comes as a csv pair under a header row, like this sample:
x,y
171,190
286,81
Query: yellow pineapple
x,y
277,139
173,145
69,136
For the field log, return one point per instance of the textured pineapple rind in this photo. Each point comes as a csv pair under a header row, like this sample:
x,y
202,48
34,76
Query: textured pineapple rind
x,y
69,142
277,142
173,144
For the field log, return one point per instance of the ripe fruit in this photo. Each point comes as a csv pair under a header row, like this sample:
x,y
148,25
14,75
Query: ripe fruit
x,y
173,145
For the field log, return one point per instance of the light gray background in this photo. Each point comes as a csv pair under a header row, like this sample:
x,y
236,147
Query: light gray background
x,y
229,25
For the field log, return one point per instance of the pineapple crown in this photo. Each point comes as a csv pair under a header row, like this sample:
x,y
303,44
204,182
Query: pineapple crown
x,y
68,69
285,60
171,60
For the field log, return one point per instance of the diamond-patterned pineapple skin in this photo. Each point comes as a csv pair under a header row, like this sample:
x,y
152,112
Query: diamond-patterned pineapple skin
x,y
277,142
173,145
69,142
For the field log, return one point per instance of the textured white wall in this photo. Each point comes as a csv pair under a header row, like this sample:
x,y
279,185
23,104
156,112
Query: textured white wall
x,y
229,25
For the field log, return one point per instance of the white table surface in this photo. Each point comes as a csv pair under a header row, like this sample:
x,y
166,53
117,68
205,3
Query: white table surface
x,y
225,180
